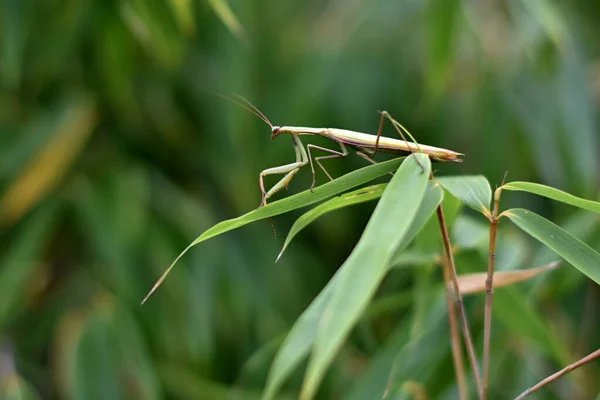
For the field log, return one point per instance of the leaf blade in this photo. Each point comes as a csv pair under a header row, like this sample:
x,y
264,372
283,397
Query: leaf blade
x,y
384,233
228,17
356,197
298,341
475,282
553,194
474,191
573,250
290,203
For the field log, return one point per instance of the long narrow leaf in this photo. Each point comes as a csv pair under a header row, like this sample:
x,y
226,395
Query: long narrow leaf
x,y
227,16
366,266
303,333
348,199
577,253
524,320
407,355
554,194
475,282
474,191
348,181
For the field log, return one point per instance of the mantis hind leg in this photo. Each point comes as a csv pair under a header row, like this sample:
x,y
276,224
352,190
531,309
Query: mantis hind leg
x,y
367,154
335,154
400,129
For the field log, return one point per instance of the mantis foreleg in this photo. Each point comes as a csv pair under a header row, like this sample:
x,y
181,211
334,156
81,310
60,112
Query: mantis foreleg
x,y
290,170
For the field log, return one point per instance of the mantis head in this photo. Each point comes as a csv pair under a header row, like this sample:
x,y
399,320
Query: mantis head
x,y
275,131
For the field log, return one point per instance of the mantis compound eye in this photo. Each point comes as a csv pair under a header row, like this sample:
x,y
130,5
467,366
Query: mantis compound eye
x,y
275,131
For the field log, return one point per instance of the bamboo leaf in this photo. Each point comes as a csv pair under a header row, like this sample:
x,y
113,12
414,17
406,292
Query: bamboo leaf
x,y
443,16
550,19
474,191
406,354
348,181
14,387
224,12
154,25
348,199
469,233
16,22
523,319
184,13
554,194
429,239
47,167
21,258
186,384
303,333
366,266
475,283
577,253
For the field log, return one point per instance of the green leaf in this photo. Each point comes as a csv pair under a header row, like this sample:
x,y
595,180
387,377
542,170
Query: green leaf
x,y
22,257
14,387
361,195
474,191
429,239
524,320
303,333
412,257
186,384
577,253
367,264
94,345
407,355
550,19
443,16
554,194
183,11
224,12
470,233
155,27
16,22
343,183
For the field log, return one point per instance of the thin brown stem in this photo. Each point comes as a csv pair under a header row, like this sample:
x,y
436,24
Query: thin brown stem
x,y
552,378
489,296
458,299
489,286
457,356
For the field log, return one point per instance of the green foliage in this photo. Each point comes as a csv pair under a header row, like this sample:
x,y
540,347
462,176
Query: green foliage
x,y
347,199
304,332
383,234
554,194
579,254
291,203
115,152
473,191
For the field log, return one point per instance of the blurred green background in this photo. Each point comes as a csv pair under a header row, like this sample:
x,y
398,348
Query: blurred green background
x,y
116,152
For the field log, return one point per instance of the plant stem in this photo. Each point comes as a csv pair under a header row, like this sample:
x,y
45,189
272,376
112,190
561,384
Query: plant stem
x,y
552,378
458,299
457,356
489,286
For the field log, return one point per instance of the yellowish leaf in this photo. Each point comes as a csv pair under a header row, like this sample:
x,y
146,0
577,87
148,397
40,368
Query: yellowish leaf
x,y
475,283
47,167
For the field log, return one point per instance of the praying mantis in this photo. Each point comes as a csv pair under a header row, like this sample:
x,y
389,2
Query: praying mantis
x,y
366,146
